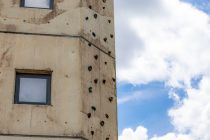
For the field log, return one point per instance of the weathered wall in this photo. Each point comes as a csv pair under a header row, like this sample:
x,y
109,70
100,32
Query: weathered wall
x,y
61,55
35,138
91,19
76,41
97,24
99,97
63,19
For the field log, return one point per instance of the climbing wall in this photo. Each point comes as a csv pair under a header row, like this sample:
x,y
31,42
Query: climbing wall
x,y
99,93
98,70
91,90
98,24
108,97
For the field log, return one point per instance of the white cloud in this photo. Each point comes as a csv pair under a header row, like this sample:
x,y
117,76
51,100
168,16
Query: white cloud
x,y
191,118
139,134
167,40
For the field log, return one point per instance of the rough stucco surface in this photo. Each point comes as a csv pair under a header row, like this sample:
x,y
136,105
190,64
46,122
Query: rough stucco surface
x,y
91,19
74,40
41,53
32,138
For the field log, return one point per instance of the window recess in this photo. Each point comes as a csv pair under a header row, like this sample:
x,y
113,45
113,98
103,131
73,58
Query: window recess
x,y
33,88
44,4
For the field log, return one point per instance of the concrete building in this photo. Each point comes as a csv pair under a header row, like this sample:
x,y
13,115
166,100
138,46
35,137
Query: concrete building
x,y
57,70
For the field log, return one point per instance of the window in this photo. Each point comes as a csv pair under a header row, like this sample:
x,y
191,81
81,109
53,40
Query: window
x,y
46,4
32,88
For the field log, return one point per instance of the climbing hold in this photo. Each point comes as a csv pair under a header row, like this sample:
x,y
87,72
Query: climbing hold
x,y
96,57
94,35
90,89
95,16
89,44
89,115
107,116
102,123
96,81
90,68
93,108
92,133
105,39
110,99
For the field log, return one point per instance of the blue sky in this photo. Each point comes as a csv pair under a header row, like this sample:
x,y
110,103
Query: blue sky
x,y
203,5
148,111
155,82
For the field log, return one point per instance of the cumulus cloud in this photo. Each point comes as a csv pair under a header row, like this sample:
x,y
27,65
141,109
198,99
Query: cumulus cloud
x,y
139,134
167,40
191,118
161,40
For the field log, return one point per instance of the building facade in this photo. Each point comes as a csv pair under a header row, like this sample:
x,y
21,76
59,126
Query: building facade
x,y
57,70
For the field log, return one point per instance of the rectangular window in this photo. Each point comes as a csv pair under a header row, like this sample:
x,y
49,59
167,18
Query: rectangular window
x,y
32,88
46,4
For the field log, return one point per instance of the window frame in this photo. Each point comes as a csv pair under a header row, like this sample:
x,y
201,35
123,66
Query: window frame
x,y
19,75
22,4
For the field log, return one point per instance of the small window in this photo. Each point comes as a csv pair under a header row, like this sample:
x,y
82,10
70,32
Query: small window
x,y
46,4
32,88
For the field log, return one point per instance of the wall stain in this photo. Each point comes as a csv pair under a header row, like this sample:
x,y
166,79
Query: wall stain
x,y
50,118
5,59
1,6
15,2
11,27
59,1
48,17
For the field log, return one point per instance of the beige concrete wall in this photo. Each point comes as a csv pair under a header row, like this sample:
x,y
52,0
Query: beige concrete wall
x,y
91,19
71,38
99,94
61,55
34,138
77,90
63,19
99,30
